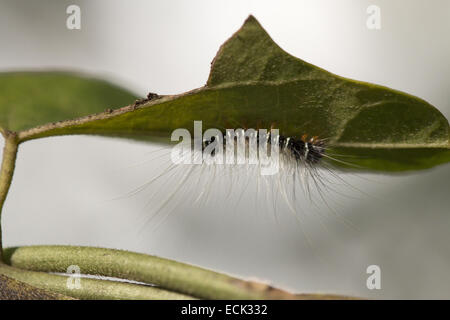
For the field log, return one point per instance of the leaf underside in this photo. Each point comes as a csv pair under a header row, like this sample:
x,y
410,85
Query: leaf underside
x,y
253,84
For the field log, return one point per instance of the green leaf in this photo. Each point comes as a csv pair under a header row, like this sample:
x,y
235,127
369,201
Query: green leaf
x,y
255,84
31,99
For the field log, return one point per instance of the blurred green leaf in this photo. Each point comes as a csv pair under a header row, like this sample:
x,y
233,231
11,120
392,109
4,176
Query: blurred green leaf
x,y
31,99
255,84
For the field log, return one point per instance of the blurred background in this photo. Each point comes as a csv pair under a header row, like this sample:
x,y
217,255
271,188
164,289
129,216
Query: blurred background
x,y
64,188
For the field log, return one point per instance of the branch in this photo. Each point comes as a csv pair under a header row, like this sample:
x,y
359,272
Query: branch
x,y
6,172
57,286
12,289
168,274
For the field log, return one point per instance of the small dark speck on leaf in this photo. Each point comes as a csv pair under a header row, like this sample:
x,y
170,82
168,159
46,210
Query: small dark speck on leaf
x,y
150,96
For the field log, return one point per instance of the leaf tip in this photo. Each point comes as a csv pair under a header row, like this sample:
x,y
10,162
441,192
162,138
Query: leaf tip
x,y
250,19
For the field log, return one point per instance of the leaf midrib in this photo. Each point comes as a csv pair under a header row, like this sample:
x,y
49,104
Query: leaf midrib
x,y
32,132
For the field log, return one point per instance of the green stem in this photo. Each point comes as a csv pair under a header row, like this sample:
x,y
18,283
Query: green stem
x,y
171,275
6,173
87,288
12,289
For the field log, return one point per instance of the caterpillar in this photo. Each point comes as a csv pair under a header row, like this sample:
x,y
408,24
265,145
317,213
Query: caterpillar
x,y
305,165
302,149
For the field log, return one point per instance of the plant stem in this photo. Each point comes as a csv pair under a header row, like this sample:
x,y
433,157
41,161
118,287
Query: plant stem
x,y
6,173
12,289
171,275
88,288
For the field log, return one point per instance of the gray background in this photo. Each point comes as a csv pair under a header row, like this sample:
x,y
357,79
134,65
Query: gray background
x,y
64,187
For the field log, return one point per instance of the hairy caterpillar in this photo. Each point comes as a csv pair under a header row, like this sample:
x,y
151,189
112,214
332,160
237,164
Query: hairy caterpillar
x,y
303,150
305,173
